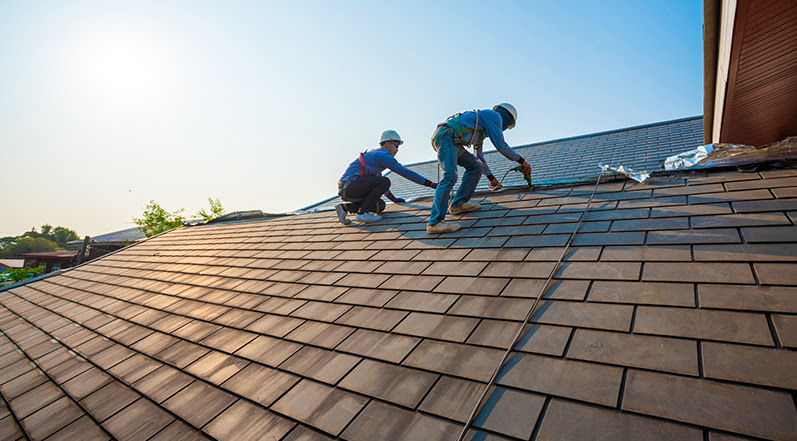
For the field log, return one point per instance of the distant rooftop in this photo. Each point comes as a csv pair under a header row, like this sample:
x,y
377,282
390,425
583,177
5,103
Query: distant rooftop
x,y
129,234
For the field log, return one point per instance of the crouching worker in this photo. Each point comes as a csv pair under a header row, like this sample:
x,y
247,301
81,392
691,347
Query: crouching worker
x,y
362,185
449,140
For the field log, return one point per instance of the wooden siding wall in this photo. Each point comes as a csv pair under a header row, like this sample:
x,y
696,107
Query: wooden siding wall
x,y
761,102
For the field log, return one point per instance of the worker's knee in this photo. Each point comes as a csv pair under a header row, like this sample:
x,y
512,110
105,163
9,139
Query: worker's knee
x,y
449,177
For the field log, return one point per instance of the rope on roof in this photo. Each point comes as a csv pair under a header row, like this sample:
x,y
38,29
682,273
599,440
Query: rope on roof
x,y
508,351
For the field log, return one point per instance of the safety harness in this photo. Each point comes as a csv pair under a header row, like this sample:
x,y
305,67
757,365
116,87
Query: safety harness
x,y
460,132
362,163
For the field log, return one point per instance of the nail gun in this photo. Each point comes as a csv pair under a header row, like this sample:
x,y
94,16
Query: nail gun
x,y
526,176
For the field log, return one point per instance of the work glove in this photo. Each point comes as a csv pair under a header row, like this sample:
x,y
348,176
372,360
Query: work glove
x,y
526,168
399,200
434,185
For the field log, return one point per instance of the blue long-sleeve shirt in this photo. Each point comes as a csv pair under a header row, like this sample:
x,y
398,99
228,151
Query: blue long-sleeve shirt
x,y
490,123
376,161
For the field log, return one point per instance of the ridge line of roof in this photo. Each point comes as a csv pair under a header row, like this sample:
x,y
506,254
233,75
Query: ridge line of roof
x,y
569,138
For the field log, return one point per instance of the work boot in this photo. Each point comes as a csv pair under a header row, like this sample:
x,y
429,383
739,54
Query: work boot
x,y
342,214
464,208
367,217
442,227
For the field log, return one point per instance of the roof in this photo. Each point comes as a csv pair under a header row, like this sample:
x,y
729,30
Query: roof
x,y
673,315
12,263
570,160
50,255
129,234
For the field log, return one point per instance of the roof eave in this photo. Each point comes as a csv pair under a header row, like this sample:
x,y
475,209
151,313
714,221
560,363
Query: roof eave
x,y
711,29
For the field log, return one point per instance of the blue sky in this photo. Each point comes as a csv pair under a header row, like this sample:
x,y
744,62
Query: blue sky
x,y
106,105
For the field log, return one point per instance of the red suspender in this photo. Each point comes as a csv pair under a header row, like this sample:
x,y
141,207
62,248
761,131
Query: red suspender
x,y
362,165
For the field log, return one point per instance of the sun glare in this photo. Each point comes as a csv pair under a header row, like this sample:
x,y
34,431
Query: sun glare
x,y
120,67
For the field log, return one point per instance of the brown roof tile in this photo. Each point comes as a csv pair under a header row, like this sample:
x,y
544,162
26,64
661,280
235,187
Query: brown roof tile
x,y
748,298
216,367
245,421
260,383
565,420
140,420
647,352
510,412
589,382
108,400
372,318
786,328
199,403
742,364
699,272
472,285
452,398
454,359
379,345
389,382
740,409
83,428
776,273
321,334
591,315
324,407
741,327
162,383
437,326
51,418
320,364
268,350
382,421
643,293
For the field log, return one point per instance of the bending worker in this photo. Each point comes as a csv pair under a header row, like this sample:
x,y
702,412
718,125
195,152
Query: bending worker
x,y
449,140
362,185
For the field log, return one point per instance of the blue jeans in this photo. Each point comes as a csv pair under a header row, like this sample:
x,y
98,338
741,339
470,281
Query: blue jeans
x,y
447,157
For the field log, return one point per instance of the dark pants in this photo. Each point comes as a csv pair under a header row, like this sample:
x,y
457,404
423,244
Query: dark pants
x,y
364,194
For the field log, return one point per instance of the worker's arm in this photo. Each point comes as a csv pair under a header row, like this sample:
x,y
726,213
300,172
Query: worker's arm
x,y
393,198
385,160
486,168
492,126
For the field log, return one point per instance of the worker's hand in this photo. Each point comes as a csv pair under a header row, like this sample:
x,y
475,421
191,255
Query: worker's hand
x,y
434,185
399,201
494,182
526,168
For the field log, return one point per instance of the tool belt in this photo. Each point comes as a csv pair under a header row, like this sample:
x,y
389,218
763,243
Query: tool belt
x,y
342,187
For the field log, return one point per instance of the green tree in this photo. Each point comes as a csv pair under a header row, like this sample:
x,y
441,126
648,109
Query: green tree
x,y
62,236
15,275
27,245
156,220
59,235
216,210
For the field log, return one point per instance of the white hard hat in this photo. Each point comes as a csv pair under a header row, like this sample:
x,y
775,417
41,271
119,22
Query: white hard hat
x,y
511,109
390,135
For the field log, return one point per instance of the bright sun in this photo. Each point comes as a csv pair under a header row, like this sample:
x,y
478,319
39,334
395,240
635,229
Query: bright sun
x,y
119,67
